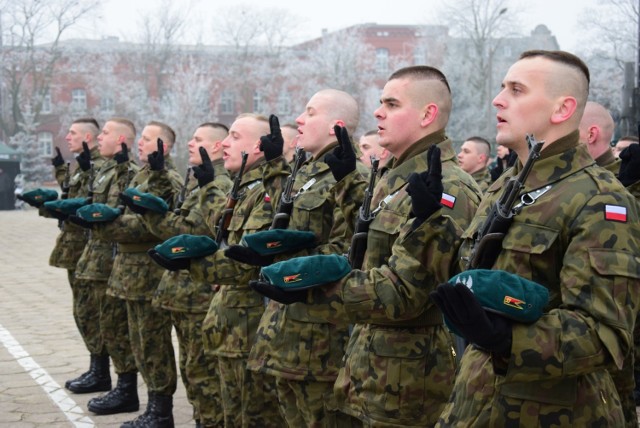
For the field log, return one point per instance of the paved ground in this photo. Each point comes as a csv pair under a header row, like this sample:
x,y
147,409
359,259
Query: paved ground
x,y
40,346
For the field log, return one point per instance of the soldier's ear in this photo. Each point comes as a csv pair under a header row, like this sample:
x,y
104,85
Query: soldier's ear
x,y
564,110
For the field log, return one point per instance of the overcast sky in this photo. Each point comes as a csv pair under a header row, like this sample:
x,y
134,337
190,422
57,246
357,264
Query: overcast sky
x,y
120,17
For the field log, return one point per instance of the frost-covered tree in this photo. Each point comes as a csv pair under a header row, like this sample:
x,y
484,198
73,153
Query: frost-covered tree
x,y
34,167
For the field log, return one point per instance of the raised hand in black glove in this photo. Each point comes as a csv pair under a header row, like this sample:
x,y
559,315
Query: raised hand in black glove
x,y
173,265
246,255
84,158
123,155
156,159
460,307
426,188
497,170
512,157
629,172
128,202
272,292
342,160
80,221
272,143
204,172
57,160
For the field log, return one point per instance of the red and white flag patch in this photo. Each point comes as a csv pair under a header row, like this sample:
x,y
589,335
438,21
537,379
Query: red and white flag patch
x,y
615,213
448,200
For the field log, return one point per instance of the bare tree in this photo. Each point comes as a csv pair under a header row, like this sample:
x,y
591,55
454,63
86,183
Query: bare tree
x,y
30,52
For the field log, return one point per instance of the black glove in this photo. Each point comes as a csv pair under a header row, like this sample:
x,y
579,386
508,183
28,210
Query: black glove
x,y
512,157
497,170
342,160
246,255
426,188
173,265
80,221
128,202
460,307
278,294
57,160
123,155
204,172
156,159
84,158
272,143
629,172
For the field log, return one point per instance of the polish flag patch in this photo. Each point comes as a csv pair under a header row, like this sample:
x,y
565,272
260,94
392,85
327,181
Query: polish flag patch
x,y
267,198
615,213
448,200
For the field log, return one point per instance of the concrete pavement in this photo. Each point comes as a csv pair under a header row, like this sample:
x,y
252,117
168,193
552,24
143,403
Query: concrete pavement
x,y
40,347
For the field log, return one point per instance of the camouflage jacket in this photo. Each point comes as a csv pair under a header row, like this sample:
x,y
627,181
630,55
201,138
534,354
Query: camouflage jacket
x,y
235,309
177,290
482,178
580,240
72,238
282,347
96,260
134,275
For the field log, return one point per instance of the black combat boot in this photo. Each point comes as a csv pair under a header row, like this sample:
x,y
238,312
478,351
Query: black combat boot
x,y
159,413
97,379
124,398
83,375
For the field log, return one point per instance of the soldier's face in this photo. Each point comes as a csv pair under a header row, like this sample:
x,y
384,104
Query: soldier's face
x,y
201,138
148,142
469,159
369,147
398,118
74,138
244,135
315,127
524,106
109,140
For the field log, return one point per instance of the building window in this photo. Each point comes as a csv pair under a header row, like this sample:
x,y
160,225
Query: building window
x,y
107,105
46,104
45,143
227,102
78,100
382,60
284,103
202,101
419,56
258,102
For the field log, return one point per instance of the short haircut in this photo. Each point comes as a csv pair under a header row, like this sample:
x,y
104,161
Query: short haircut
x,y
218,130
262,120
483,145
421,72
126,123
166,132
88,121
562,57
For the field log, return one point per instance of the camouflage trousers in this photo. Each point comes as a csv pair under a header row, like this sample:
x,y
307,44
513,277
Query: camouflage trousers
x,y
199,371
302,403
248,398
150,337
87,297
114,327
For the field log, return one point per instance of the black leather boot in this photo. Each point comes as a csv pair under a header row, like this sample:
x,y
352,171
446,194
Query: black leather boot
x,y
83,375
159,413
97,379
124,398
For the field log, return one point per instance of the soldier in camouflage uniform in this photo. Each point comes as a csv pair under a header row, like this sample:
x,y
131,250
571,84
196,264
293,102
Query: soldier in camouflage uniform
x,y
135,277
579,238
232,320
474,157
400,362
96,262
186,299
305,373
68,248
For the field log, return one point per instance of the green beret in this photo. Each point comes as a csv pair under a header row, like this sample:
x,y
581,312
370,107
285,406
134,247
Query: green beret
x,y
306,272
37,197
98,213
66,206
505,293
187,247
277,241
146,200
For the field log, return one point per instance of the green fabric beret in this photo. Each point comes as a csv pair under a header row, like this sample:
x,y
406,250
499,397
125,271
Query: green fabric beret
x,y
306,272
277,241
505,293
187,247
66,206
146,200
98,213
37,197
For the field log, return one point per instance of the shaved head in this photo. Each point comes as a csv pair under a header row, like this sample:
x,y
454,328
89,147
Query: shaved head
x,y
342,107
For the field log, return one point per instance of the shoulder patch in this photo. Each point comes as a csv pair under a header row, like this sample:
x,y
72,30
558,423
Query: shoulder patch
x,y
615,213
448,200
